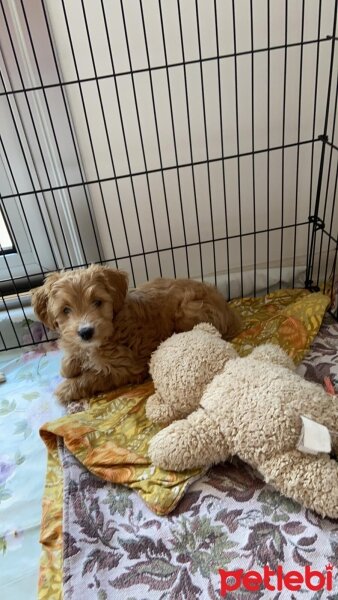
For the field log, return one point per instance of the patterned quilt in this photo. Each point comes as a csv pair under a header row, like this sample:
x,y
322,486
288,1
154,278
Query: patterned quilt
x,y
113,545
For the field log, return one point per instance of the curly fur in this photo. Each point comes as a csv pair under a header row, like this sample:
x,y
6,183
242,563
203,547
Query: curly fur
x,y
128,327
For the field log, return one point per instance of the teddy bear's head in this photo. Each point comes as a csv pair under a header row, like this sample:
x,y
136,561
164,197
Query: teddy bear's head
x,y
182,366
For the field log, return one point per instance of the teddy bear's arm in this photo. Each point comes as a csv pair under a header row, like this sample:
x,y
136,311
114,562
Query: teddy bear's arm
x,y
159,411
189,443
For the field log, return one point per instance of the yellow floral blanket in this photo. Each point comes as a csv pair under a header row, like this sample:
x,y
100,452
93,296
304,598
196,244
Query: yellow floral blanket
x,y
110,438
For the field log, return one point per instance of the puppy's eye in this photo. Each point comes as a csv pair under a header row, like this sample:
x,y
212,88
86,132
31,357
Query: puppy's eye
x,y
66,310
97,303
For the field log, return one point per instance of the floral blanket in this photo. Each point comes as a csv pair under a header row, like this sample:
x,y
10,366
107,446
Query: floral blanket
x,y
26,402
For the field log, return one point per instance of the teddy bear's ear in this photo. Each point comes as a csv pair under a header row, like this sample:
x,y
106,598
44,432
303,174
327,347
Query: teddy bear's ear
x,y
208,328
272,353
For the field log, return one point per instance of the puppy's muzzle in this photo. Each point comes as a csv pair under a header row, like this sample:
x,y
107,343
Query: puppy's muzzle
x,y
86,333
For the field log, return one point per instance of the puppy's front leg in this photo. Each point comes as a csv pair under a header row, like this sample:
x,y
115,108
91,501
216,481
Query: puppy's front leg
x,y
83,386
71,366
88,384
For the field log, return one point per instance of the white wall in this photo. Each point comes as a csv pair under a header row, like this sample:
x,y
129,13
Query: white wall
x,y
156,199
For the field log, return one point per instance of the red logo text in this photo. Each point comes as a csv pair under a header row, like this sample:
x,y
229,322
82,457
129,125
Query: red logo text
x,y
276,580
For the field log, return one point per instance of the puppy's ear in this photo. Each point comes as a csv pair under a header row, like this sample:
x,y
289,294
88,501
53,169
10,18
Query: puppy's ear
x,y
117,284
40,299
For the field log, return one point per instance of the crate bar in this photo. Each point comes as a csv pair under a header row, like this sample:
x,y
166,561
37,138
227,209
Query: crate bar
x,y
206,141
52,126
253,139
157,139
156,68
283,140
268,149
298,140
310,257
220,102
174,138
328,185
170,168
237,141
193,163
314,120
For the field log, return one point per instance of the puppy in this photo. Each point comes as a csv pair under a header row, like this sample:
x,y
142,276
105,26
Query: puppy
x,y
108,335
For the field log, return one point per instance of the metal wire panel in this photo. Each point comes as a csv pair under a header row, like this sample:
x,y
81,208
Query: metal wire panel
x,y
191,138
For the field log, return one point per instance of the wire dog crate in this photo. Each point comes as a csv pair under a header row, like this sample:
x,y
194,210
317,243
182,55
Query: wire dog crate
x,y
167,138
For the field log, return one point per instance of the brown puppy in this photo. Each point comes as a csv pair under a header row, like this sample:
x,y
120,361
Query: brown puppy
x,y
108,334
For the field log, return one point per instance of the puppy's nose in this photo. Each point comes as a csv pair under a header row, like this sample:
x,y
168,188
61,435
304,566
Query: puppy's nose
x,y
86,333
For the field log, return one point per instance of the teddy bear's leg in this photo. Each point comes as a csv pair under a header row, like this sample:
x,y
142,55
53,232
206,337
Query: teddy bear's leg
x,y
311,480
158,411
189,443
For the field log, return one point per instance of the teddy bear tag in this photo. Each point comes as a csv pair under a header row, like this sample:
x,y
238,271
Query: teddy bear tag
x,y
314,437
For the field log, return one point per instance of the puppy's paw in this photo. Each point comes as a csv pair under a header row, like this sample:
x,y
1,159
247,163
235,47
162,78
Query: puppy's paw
x,y
67,391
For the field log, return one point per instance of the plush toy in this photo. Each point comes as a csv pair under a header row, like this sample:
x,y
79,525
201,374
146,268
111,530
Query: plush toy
x,y
255,407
